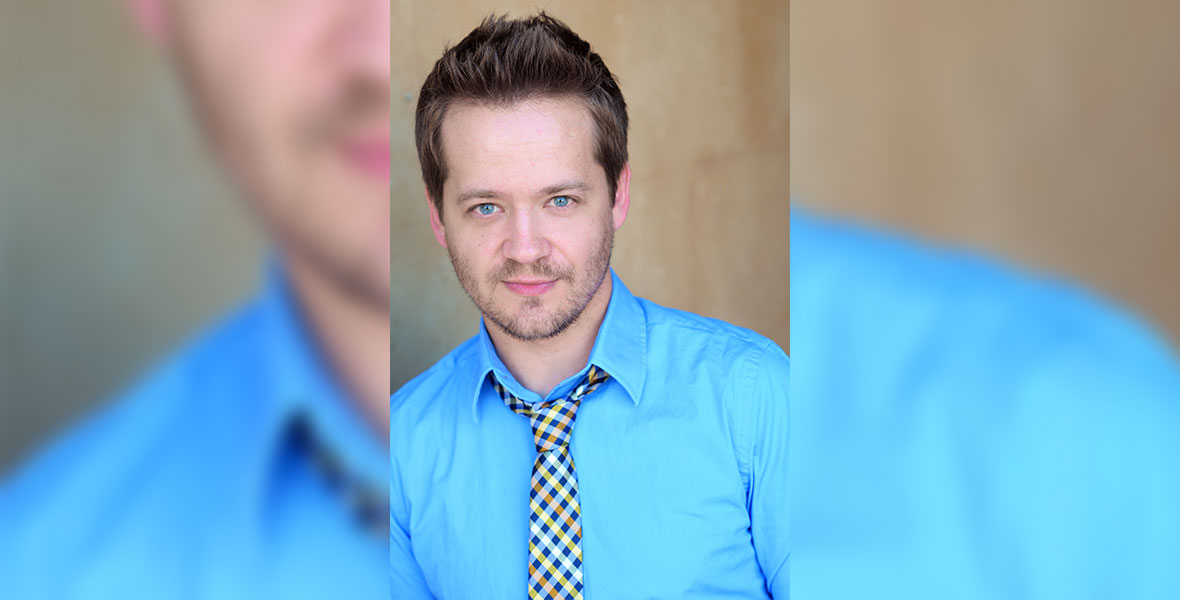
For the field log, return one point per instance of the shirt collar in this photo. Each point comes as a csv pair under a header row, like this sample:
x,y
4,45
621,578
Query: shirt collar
x,y
304,391
620,349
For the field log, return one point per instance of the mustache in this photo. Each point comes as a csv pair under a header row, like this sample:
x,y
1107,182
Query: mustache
x,y
541,269
359,105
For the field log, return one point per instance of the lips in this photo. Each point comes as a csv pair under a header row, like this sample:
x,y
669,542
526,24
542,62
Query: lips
x,y
370,156
530,288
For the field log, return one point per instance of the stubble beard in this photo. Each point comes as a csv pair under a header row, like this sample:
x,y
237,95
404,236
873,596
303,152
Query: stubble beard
x,y
540,327
355,271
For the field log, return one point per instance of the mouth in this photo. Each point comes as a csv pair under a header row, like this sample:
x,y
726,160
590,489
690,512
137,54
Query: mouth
x,y
527,287
370,156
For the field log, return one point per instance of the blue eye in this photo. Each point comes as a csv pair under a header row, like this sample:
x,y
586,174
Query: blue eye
x,y
561,201
486,209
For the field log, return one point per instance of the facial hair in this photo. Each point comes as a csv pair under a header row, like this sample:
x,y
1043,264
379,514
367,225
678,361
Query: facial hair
x,y
361,102
582,289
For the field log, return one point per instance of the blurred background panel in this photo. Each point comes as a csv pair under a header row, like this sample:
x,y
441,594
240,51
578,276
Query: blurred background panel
x,y
1044,131
707,88
120,238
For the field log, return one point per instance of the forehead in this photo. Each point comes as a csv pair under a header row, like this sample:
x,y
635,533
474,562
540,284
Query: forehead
x,y
530,139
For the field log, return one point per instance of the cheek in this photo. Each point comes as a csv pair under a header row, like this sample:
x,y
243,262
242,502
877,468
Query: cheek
x,y
242,107
576,241
478,247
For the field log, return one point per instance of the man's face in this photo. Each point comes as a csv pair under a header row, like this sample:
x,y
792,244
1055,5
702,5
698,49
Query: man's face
x,y
295,96
527,215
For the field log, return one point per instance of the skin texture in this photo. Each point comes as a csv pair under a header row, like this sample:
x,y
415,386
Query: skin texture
x,y
294,99
528,222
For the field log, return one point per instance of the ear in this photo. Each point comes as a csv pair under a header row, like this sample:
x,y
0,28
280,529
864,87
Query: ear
x,y
152,17
622,197
436,224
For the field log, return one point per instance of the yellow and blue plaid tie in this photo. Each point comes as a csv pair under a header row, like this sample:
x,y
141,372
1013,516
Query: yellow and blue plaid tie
x,y
555,518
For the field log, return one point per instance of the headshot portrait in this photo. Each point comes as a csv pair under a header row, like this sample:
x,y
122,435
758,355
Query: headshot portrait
x,y
583,441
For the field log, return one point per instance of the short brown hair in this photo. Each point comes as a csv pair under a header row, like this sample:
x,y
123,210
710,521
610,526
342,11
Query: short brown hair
x,y
505,61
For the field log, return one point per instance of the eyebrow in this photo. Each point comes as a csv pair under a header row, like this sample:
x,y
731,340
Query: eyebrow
x,y
477,193
490,194
565,186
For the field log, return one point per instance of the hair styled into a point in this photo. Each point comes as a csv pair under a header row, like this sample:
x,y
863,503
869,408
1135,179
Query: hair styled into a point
x,y
505,61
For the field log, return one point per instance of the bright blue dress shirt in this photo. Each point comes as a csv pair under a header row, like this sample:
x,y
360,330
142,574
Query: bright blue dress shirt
x,y
680,457
200,482
960,430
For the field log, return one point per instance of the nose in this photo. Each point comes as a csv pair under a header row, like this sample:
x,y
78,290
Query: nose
x,y
526,242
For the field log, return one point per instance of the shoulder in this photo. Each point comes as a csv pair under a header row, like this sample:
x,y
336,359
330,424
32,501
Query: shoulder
x,y
112,484
904,314
433,389
860,275
695,338
934,363
157,409
831,260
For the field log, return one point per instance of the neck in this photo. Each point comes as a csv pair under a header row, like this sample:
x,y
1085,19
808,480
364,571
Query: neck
x,y
353,334
540,365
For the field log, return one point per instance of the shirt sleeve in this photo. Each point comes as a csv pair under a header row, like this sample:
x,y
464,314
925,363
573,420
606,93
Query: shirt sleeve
x,y
406,581
767,498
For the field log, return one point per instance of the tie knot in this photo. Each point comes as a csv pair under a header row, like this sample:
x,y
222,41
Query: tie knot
x,y
553,421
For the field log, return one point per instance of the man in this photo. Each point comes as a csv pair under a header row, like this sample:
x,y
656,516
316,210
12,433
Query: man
x,y
585,443
252,463
960,430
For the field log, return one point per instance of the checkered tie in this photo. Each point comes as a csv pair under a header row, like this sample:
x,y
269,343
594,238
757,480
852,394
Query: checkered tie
x,y
555,519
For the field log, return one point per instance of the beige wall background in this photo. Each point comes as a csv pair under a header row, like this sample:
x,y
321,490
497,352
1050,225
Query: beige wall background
x,y
706,83
1044,131
119,239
